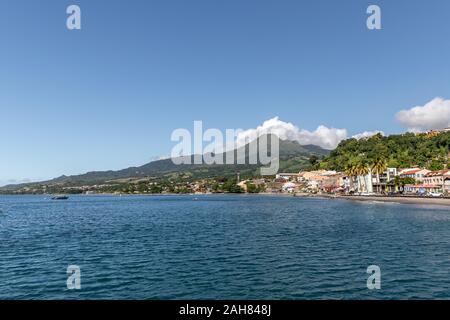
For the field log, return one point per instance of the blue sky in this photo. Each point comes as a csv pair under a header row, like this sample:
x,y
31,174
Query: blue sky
x,y
109,96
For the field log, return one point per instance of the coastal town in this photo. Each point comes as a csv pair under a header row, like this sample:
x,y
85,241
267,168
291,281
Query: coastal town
x,y
389,182
404,165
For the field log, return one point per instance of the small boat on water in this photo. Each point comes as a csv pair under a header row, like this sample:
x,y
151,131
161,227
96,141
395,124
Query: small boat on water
x,y
60,198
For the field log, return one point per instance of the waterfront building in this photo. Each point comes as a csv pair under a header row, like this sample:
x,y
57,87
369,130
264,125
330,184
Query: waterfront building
x,y
422,188
436,177
287,176
318,175
274,187
385,180
281,180
434,181
417,174
243,185
289,187
335,183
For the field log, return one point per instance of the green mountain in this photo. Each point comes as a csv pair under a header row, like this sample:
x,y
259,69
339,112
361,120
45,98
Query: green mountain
x,y
293,157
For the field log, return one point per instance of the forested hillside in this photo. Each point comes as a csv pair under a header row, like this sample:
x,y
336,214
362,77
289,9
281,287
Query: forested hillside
x,y
429,151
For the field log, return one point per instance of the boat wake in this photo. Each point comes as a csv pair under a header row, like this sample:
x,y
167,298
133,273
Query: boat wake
x,y
383,202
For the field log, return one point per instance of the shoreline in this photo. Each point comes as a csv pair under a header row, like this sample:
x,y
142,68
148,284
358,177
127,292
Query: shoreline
x,y
397,199
400,200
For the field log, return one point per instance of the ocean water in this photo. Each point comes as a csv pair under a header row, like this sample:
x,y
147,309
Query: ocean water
x,y
221,247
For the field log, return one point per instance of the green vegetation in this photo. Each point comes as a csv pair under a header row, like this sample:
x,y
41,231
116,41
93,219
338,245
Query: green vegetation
x,y
352,156
252,188
397,151
163,176
401,182
230,186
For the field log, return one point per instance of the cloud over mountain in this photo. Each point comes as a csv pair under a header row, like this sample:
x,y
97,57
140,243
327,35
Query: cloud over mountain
x,y
367,134
327,138
433,115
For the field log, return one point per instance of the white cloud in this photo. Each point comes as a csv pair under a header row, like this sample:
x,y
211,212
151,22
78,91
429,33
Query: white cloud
x,y
161,157
323,136
367,134
433,115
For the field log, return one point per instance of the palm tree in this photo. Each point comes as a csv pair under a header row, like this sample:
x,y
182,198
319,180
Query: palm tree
x,y
350,171
362,169
379,166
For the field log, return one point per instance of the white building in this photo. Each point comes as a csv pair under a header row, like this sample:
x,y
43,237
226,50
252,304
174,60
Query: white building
x,y
415,173
289,187
287,176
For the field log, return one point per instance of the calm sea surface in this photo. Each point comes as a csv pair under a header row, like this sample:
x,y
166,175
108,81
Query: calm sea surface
x,y
221,247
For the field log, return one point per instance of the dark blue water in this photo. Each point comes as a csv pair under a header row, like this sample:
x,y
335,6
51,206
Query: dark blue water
x,y
221,247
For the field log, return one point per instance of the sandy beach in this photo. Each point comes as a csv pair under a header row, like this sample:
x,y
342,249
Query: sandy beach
x,y
405,200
